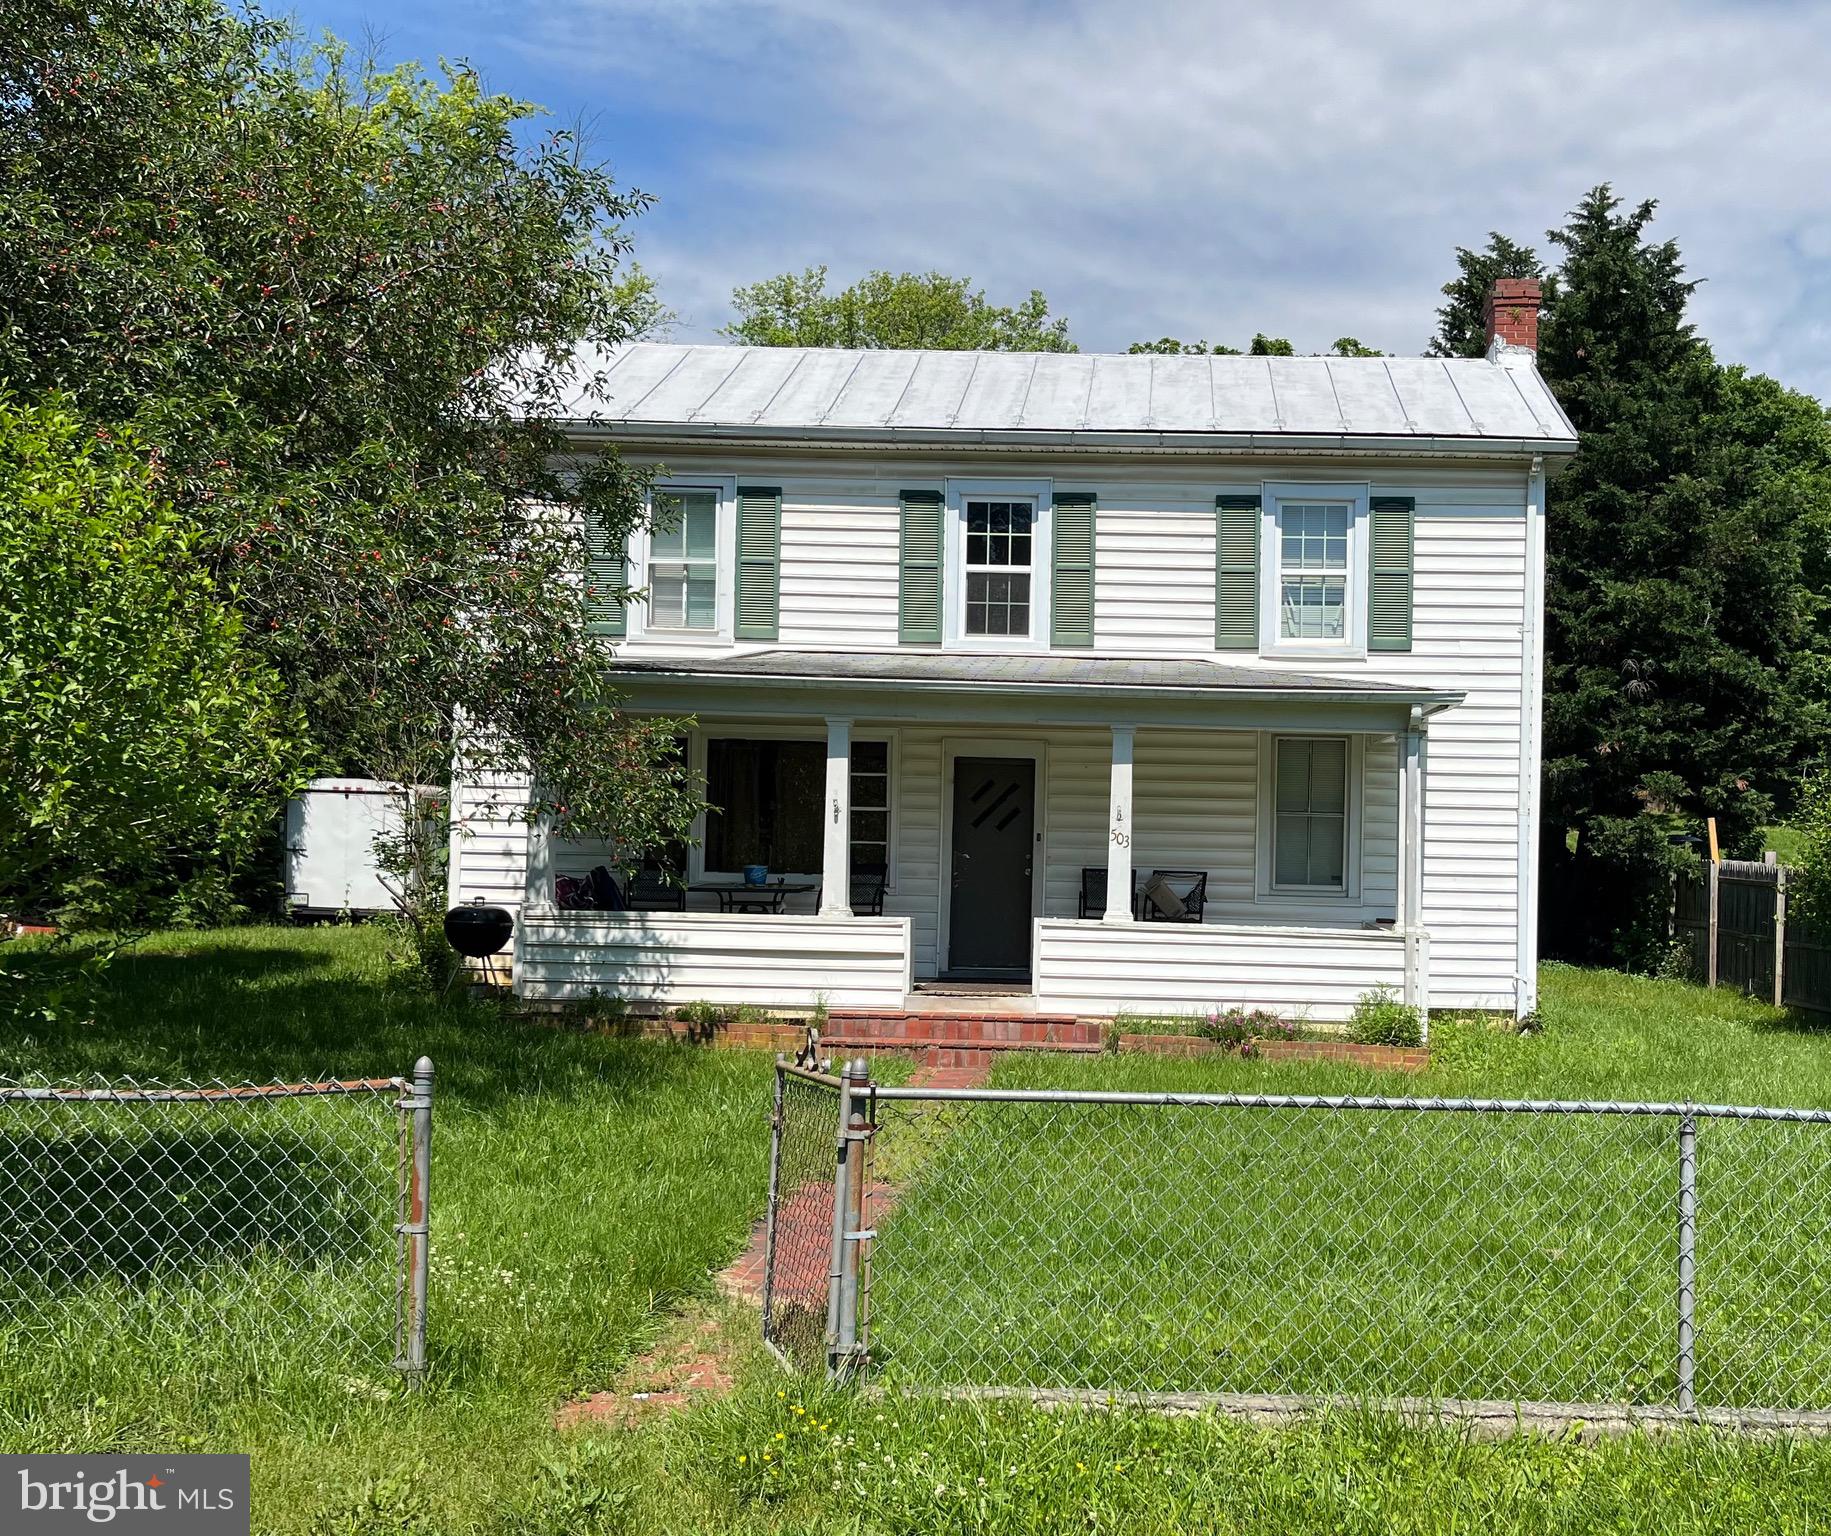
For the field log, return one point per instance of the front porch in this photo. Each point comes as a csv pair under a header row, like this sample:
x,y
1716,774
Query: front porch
x,y
1016,832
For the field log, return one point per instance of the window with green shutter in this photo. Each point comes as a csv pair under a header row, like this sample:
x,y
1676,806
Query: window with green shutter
x,y
1071,599
606,578
1389,586
919,588
759,561
1236,573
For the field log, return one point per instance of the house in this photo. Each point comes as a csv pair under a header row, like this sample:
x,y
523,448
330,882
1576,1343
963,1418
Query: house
x,y
977,643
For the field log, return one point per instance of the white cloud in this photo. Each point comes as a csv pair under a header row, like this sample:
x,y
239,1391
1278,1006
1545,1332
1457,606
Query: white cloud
x,y
1196,170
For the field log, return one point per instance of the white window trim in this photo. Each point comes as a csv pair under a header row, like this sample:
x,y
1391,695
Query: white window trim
x,y
725,549
1353,643
1348,894
745,731
1042,562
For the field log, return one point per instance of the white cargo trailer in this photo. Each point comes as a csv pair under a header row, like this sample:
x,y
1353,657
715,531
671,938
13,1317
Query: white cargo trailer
x,y
330,847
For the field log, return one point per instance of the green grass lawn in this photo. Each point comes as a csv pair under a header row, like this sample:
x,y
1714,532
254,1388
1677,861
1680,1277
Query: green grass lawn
x,y
1132,1248
582,1188
587,1188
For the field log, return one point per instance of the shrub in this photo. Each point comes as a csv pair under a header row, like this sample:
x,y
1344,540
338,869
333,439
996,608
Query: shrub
x,y
1238,1028
703,1020
1379,1018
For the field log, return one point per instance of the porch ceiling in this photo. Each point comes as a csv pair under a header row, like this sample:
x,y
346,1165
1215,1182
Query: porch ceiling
x,y
1058,687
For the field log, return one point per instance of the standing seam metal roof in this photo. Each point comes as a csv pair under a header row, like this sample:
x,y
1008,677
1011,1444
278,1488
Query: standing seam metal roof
x,y
828,391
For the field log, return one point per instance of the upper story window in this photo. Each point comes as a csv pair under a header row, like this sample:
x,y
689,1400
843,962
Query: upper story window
x,y
997,573
683,560
683,563
1313,571
1000,546
1313,593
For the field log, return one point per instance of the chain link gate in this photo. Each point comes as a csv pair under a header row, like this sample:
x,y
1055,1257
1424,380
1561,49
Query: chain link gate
x,y
138,1213
1670,1257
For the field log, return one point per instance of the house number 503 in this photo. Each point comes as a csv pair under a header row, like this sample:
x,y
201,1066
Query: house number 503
x,y
1121,838
835,810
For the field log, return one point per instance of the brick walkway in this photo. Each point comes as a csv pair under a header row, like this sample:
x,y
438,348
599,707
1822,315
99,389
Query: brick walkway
x,y
802,1274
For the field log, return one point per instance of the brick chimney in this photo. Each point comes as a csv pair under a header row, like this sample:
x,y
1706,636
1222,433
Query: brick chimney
x,y
1512,314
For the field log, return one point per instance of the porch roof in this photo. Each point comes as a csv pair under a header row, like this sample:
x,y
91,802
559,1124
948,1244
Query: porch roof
x,y
1042,675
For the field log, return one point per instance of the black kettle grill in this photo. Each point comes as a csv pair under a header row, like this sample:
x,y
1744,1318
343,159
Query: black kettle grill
x,y
478,933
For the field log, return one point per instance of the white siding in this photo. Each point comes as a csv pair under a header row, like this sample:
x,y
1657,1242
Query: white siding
x,y
839,566
1194,806
1154,571
1143,968
1154,595
673,958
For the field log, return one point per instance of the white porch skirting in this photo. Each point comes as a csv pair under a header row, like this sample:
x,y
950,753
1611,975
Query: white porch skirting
x,y
1098,968
715,957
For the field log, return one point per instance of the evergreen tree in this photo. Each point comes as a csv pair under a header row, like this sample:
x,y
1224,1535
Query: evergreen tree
x,y
1462,322
1686,582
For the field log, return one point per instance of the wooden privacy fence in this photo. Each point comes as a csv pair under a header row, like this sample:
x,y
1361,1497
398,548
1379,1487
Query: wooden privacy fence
x,y
1735,923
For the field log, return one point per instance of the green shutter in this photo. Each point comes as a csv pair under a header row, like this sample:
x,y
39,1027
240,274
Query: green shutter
x,y
1071,585
919,597
606,577
759,561
1236,573
1389,584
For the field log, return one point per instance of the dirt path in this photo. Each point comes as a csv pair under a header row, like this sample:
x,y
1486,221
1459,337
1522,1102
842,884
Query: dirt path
x,y
698,1357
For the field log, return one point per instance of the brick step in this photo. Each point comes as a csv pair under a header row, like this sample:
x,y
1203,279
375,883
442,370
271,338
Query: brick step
x,y
967,1028
957,1043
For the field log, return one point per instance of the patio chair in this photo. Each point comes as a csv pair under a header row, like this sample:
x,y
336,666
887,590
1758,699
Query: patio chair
x,y
656,890
1190,886
606,894
1093,892
867,893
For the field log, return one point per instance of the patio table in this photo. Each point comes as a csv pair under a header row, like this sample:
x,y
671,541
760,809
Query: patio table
x,y
735,896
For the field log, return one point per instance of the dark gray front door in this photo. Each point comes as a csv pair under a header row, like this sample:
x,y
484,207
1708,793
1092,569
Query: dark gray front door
x,y
994,844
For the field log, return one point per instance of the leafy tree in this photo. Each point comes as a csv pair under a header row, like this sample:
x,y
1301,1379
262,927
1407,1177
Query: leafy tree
x,y
637,297
143,744
1462,326
1686,591
929,311
1169,346
343,306
1262,346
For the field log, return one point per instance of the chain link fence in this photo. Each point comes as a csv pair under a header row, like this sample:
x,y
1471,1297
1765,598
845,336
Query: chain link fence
x,y
1558,1253
800,1233
170,1216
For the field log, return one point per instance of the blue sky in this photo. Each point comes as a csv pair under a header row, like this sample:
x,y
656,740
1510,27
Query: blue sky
x,y
1305,169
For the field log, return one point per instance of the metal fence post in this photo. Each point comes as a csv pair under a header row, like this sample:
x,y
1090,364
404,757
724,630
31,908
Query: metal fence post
x,y
1687,1259
1780,936
848,1202
775,1195
411,1350
1710,964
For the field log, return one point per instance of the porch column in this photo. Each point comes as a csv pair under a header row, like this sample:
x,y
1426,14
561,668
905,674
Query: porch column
x,y
538,893
1412,746
836,864
1119,830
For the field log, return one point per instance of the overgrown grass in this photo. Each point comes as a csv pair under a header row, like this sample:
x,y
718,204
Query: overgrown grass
x,y
1386,1253
582,1187
610,1178
773,1459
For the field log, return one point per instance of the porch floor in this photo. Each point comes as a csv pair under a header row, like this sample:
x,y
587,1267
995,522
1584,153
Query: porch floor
x,y
975,997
